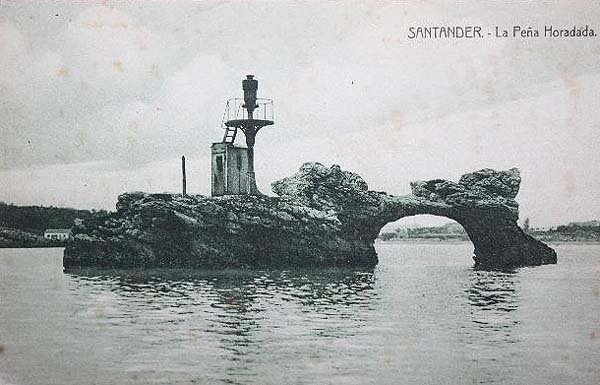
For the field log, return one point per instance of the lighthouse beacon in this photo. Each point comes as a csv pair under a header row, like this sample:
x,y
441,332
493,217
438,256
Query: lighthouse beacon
x,y
232,167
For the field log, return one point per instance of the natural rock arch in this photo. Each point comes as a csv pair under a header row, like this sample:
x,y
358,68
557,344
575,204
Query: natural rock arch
x,y
322,217
482,202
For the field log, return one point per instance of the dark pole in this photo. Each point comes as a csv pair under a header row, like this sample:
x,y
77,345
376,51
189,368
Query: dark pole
x,y
250,87
183,181
250,139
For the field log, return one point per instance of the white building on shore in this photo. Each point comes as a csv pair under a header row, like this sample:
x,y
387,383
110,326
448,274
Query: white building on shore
x,y
60,234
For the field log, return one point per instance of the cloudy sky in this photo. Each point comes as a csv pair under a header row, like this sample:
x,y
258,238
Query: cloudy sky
x,y
101,98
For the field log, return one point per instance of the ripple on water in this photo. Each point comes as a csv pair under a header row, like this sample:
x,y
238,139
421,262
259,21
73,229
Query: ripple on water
x,y
422,316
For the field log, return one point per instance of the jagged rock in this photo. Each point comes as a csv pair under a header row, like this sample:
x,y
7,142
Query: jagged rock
x,y
322,216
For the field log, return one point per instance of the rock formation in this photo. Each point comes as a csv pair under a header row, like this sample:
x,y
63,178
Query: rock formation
x,y
321,216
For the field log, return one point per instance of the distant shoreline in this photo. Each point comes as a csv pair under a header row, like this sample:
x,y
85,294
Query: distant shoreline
x,y
574,232
424,240
31,247
451,241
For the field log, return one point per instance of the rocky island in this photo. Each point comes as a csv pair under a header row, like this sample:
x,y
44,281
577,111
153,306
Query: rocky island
x,y
322,216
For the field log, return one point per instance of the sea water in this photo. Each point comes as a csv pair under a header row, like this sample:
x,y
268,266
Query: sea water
x,y
422,316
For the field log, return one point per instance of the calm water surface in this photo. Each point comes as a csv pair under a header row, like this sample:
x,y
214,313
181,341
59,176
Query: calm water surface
x,y
422,316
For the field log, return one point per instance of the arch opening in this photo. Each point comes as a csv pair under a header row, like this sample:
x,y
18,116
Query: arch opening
x,y
424,227
425,239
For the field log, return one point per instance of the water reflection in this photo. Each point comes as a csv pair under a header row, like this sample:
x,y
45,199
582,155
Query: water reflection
x,y
237,312
493,299
493,290
236,289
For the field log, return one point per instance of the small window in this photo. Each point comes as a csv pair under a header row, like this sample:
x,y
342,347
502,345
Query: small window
x,y
220,163
239,161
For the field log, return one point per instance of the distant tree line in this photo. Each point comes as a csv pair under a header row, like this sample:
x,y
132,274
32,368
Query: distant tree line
x,y
449,231
36,219
573,232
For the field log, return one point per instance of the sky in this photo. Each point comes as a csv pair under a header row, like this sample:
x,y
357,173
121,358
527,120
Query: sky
x,y
101,98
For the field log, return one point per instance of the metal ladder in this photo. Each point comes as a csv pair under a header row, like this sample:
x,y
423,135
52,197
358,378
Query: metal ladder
x,y
230,133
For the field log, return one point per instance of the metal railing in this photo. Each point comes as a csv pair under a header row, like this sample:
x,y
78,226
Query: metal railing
x,y
235,111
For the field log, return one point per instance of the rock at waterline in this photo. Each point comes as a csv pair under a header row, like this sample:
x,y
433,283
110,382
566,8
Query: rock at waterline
x,y
321,217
